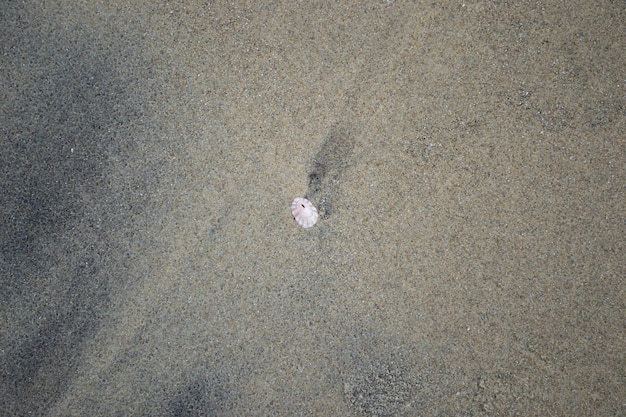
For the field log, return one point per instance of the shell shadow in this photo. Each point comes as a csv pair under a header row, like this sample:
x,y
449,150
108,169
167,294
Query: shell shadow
x,y
329,165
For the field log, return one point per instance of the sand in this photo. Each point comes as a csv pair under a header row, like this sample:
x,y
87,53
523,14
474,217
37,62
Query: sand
x,y
468,161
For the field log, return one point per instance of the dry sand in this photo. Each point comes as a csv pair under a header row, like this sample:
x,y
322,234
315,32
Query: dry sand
x,y
468,160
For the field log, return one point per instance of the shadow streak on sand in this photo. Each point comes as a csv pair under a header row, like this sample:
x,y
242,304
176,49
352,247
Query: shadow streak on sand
x,y
329,165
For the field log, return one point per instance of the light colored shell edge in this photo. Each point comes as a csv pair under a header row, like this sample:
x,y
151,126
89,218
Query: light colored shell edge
x,y
308,220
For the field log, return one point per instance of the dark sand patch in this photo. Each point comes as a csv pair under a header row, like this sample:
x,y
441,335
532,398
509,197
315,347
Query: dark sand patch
x,y
73,211
329,165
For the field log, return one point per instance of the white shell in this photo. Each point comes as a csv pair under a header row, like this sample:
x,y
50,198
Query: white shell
x,y
304,212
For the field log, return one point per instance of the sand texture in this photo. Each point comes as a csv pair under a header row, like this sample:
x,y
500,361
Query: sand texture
x,y
468,160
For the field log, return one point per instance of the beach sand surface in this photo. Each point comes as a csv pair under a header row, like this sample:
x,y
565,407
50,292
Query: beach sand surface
x,y
468,160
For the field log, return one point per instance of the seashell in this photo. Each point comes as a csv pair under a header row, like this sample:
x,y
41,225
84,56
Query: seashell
x,y
304,212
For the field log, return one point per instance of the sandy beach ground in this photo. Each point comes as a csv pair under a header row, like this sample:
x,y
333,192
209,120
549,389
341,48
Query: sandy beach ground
x,y
468,160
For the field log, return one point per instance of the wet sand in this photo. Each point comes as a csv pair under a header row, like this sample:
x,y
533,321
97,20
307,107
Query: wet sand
x,y
468,161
